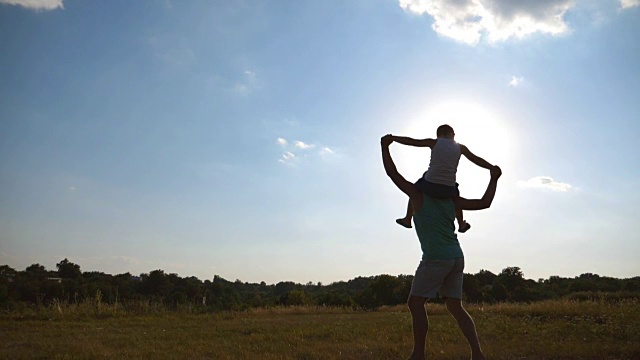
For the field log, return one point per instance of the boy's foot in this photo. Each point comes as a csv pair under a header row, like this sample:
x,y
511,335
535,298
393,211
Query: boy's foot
x,y
464,227
404,222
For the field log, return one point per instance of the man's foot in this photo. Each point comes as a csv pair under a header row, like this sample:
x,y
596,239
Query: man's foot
x,y
404,222
416,357
464,227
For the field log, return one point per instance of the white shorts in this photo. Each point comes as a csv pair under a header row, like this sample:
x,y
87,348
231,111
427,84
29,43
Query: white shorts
x,y
438,276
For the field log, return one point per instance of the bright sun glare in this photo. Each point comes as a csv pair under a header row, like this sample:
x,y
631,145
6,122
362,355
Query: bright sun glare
x,y
481,130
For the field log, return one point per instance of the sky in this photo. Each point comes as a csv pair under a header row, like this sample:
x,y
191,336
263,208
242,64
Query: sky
x,y
242,138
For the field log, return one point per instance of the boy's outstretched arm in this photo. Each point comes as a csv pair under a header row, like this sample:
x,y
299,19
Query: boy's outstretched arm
x,y
487,198
415,195
474,158
414,142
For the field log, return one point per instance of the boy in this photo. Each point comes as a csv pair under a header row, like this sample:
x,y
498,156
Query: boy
x,y
439,181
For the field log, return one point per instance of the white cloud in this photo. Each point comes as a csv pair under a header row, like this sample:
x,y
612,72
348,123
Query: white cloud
x,y
301,145
287,157
498,20
297,152
282,141
326,151
36,4
626,4
546,182
515,81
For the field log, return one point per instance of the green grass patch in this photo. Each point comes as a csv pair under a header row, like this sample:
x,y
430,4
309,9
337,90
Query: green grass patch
x,y
559,329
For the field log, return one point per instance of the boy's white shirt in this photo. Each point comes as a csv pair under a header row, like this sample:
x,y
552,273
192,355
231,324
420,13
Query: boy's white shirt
x,y
443,164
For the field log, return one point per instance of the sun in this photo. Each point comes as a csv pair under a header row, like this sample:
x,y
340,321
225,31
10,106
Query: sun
x,y
479,128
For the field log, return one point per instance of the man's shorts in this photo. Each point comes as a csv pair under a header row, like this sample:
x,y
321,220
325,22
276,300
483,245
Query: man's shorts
x,y
437,191
438,276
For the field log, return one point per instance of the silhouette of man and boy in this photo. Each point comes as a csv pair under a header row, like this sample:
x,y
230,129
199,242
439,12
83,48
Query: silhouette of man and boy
x,y
434,203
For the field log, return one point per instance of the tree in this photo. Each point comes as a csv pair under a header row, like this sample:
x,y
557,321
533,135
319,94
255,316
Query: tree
x,y
383,290
68,270
499,291
472,289
155,283
511,278
284,287
485,277
336,298
36,270
296,298
7,271
7,274
125,286
631,284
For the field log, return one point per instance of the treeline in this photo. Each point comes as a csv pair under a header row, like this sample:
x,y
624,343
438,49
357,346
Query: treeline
x,y
37,285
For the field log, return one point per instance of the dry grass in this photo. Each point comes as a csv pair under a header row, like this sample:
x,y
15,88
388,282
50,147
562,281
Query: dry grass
x,y
546,330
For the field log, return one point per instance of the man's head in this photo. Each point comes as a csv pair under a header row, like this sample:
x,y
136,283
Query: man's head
x,y
445,131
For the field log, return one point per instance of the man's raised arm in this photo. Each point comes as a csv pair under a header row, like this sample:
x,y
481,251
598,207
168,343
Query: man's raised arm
x,y
390,168
487,198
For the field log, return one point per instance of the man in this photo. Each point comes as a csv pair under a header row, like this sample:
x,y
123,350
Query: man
x,y
442,265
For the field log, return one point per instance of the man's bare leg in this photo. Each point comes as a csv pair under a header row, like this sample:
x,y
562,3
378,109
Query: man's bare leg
x,y
466,324
420,326
406,221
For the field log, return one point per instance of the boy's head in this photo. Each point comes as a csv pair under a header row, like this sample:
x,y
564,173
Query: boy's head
x,y
445,131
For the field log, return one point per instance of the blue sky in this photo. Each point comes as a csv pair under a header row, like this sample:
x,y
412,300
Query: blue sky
x,y
241,138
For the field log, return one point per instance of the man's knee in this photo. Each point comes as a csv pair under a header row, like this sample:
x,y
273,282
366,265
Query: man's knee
x,y
416,303
454,306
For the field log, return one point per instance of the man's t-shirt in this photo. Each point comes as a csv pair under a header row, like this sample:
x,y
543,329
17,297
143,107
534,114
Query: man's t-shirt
x,y
435,229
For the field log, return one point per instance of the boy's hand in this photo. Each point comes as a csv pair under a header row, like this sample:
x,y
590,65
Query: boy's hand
x,y
386,140
496,172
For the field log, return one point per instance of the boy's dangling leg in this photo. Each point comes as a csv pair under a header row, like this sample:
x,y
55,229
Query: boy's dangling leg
x,y
406,221
463,226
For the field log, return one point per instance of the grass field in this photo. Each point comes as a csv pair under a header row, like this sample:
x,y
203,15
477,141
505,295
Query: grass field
x,y
546,330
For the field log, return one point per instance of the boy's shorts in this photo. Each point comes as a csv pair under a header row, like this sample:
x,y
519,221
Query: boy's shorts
x,y
437,191
438,276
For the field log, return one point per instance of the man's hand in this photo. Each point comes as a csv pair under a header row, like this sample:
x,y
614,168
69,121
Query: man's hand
x,y
496,172
386,140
